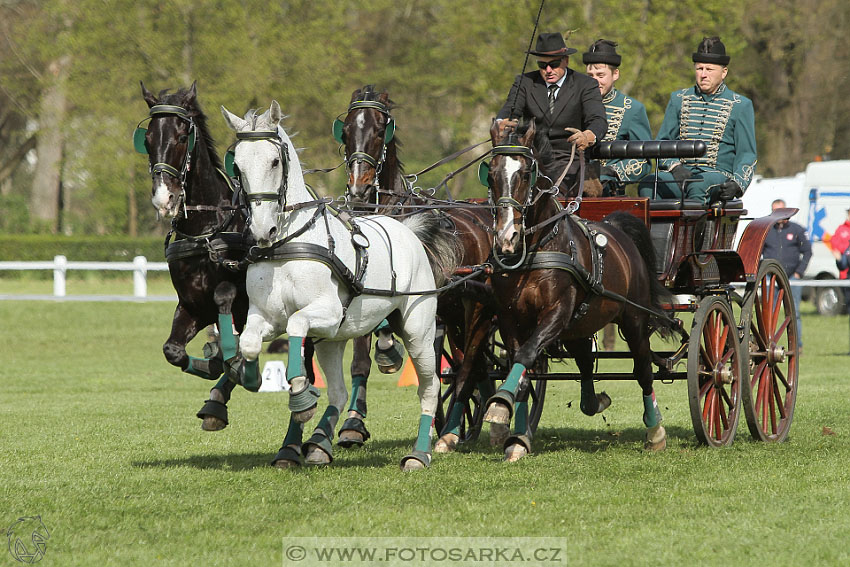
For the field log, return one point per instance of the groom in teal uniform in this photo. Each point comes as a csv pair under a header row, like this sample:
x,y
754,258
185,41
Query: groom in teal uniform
x,y
626,117
709,111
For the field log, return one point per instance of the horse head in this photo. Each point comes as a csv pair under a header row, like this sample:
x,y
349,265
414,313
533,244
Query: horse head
x,y
169,141
510,177
366,132
263,157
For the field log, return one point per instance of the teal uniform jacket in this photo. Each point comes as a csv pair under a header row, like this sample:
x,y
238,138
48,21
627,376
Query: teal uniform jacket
x,y
627,120
725,121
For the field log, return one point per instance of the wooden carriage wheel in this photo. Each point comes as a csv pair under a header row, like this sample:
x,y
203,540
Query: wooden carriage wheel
x,y
715,369
769,322
473,412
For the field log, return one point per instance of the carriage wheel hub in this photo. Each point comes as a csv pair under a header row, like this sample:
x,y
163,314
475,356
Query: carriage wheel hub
x,y
722,374
775,354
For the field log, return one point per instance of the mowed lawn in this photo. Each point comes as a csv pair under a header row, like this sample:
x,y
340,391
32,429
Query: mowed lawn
x,y
98,437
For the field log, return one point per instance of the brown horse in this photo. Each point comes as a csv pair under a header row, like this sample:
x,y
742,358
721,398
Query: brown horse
x,y
557,282
376,183
190,187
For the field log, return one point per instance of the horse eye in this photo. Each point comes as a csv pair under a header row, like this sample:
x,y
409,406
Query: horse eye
x,y
183,138
276,162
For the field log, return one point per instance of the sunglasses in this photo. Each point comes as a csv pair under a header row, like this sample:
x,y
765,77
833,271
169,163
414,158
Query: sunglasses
x,y
554,63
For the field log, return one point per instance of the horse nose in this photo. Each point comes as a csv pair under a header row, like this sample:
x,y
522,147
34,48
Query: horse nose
x,y
272,233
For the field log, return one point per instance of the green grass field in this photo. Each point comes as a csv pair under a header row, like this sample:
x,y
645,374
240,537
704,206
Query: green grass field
x,y
99,437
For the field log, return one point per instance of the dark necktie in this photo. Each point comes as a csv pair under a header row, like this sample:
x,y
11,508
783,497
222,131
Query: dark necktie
x,y
552,88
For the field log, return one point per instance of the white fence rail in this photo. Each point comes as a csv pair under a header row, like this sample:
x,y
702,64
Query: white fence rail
x,y
140,268
60,266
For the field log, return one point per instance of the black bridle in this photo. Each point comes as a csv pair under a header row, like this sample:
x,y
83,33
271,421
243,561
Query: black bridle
x,y
377,162
139,141
255,136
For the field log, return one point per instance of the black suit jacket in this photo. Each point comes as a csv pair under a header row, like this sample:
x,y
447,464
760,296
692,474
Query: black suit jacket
x,y
579,105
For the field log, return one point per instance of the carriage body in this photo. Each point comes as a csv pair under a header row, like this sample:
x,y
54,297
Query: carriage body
x,y
739,352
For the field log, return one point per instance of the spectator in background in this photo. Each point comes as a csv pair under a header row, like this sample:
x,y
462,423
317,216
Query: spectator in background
x,y
841,250
788,244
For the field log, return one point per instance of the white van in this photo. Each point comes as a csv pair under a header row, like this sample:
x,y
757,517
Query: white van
x,y
822,194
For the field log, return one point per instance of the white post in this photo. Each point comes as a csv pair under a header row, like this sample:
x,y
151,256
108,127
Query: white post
x,y
140,271
61,266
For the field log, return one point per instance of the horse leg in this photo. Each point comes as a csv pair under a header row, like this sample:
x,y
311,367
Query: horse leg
x,y
477,330
501,405
239,368
636,335
418,336
325,317
591,402
289,455
318,450
353,431
389,353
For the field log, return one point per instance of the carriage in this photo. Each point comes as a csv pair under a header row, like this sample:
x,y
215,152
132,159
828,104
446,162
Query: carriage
x,y
740,350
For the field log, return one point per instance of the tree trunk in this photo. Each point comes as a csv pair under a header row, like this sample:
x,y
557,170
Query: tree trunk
x,y
44,201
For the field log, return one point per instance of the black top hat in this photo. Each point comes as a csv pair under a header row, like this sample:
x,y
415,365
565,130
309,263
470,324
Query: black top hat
x,y
602,51
551,44
711,50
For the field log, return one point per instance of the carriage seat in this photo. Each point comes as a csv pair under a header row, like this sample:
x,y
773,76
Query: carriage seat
x,y
663,226
690,205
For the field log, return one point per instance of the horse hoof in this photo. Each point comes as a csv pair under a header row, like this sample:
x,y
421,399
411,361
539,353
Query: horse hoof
x,y
498,434
390,360
412,465
447,443
604,402
350,438
212,423
515,452
316,457
498,413
656,439
304,416
284,464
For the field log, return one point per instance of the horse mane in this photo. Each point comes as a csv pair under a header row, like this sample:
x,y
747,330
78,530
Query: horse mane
x,y
191,104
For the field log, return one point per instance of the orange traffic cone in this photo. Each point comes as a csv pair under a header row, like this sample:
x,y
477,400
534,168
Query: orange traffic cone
x,y
320,382
408,375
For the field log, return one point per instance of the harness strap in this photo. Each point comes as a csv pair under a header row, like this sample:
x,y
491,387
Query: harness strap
x,y
189,248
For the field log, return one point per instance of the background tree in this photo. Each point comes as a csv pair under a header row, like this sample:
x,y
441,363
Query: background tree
x,y
70,72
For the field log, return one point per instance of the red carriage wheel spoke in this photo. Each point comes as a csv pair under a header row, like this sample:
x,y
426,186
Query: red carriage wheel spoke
x,y
772,405
725,403
704,388
782,328
708,404
781,376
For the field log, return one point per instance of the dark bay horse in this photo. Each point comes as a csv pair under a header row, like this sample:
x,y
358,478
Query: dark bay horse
x,y
376,184
555,283
207,238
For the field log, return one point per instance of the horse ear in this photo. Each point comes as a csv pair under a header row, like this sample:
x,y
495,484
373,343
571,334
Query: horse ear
x,y
192,94
494,131
528,138
275,115
148,96
355,95
233,122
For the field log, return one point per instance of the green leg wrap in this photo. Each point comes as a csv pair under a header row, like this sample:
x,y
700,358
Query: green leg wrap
x,y
521,418
512,382
328,422
295,363
358,395
207,369
486,388
251,375
294,433
651,413
453,422
423,440
228,339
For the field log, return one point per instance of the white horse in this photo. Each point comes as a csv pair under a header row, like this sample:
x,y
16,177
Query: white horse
x,y
308,283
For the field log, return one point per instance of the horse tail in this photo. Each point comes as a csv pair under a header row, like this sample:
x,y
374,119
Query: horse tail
x,y
637,232
441,243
